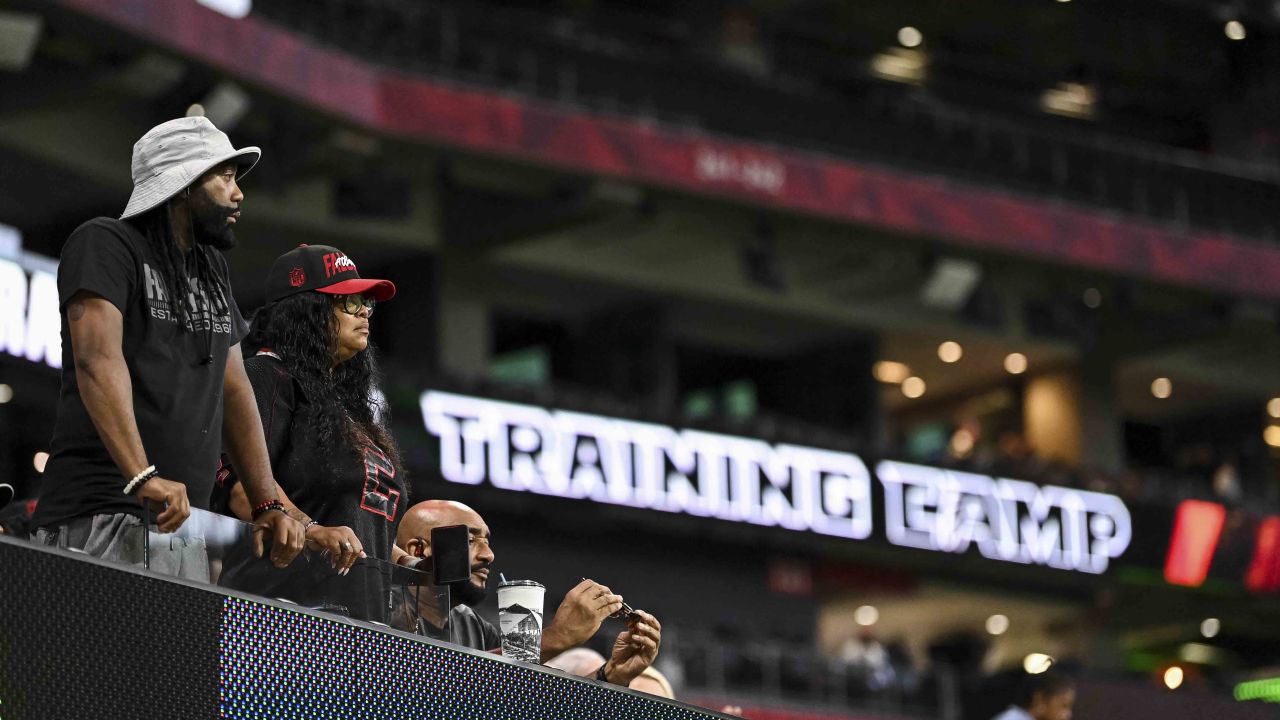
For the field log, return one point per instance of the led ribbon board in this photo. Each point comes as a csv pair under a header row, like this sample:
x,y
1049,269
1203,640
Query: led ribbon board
x,y
30,324
525,448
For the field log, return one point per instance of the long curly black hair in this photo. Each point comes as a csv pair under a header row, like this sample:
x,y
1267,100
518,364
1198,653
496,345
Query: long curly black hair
x,y
303,331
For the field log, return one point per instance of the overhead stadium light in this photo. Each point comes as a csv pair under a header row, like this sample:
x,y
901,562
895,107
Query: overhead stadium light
x,y
236,9
888,371
1234,30
225,105
910,37
900,65
950,352
866,616
1070,99
997,624
950,283
19,35
1272,436
1036,663
1015,363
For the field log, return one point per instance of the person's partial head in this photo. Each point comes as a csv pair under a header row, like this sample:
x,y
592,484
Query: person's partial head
x,y
1048,695
653,682
580,661
190,167
323,281
414,537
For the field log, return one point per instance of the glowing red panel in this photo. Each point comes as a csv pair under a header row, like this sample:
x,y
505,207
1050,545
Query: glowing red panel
x,y
1264,570
1196,530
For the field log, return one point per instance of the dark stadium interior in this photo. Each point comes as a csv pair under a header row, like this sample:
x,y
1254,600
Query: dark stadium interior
x,y
766,221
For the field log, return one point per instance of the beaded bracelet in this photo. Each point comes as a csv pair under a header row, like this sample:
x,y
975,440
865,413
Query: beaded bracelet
x,y
140,479
265,505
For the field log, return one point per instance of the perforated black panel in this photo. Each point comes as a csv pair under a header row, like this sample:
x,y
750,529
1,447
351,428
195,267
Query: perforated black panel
x,y
80,639
83,640
355,672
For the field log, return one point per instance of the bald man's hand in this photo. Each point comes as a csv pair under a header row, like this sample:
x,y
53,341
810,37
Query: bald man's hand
x,y
578,617
635,649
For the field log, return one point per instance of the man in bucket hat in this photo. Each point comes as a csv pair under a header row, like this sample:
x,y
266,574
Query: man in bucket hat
x,y
153,383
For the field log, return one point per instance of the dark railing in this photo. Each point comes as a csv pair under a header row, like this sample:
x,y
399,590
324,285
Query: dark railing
x,y
86,638
638,66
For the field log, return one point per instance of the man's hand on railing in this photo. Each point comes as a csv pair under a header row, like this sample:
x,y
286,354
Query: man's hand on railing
x,y
286,537
170,495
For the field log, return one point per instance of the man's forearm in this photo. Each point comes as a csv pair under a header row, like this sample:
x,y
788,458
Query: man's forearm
x,y
553,643
107,393
242,434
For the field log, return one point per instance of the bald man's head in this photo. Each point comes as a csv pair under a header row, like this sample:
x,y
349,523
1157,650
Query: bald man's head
x,y
414,537
654,683
419,519
580,661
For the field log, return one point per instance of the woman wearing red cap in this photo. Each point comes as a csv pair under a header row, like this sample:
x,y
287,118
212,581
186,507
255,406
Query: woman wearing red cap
x,y
315,377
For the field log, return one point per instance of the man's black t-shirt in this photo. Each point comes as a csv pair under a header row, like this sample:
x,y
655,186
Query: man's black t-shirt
x,y
466,628
177,397
333,486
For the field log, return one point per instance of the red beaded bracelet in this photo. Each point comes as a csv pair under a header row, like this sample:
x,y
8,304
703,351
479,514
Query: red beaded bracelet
x,y
265,505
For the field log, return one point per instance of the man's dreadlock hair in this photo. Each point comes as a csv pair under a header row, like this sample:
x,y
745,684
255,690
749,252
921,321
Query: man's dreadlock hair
x,y
157,226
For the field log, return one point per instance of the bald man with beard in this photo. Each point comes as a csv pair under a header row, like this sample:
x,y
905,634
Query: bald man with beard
x,y
577,619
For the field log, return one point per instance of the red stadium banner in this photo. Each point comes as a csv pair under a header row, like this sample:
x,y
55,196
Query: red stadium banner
x,y
489,122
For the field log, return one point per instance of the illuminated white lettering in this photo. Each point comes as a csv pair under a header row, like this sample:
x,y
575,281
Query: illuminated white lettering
x,y
30,316
13,309
620,462
44,322
1011,520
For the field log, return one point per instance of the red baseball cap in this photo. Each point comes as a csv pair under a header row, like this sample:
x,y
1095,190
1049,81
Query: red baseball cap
x,y
324,269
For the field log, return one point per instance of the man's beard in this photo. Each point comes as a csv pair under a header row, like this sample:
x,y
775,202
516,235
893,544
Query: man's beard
x,y
209,221
468,593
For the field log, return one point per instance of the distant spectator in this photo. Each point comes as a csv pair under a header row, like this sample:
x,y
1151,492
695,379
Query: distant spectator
x,y
653,682
15,519
1047,696
866,658
580,661
1226,481
740,45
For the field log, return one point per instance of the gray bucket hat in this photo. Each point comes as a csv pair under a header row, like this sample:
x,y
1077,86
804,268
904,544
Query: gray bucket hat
x,y
174,154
